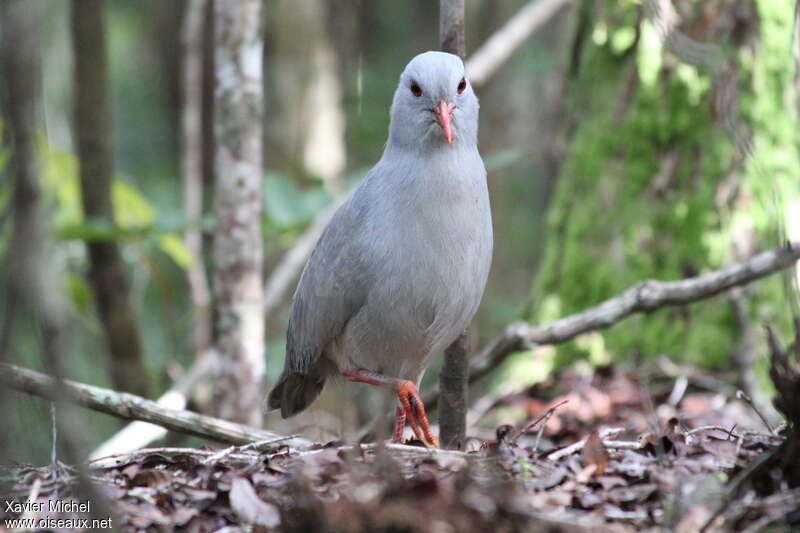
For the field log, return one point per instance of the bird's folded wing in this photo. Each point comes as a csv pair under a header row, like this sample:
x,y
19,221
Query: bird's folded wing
x,y
332,289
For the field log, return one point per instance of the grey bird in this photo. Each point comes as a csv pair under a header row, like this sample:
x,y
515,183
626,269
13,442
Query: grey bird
x,y
400,269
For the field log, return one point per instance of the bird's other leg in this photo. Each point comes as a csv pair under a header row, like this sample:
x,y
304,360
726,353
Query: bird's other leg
x,y
399,424
415,411
408,394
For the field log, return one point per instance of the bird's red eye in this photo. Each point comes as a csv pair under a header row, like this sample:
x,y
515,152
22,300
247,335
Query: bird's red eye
x,y
415,90
462,85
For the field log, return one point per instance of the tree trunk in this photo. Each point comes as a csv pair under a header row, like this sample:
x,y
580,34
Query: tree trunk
x,y
95,153
306,128
796,55
453,376
20,72
193,36
451,27
32,273
238,246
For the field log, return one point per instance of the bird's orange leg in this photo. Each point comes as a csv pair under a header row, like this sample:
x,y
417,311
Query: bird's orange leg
x,y
411,403
415,411
399,424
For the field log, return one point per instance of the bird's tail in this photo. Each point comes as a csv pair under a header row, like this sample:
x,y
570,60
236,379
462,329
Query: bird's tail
x,y
294,392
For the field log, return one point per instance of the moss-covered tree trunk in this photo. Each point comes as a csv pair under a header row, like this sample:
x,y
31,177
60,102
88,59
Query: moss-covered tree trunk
x,y
682,138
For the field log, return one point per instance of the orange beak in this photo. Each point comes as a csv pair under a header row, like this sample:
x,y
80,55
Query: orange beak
x,y
443,112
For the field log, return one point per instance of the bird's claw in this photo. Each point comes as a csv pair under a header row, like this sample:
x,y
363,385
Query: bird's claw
x,y
414,409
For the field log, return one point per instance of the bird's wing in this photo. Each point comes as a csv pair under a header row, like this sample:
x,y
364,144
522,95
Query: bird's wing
x,y
332,288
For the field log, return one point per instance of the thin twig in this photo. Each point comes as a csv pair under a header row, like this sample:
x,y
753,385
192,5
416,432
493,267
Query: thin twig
x,y
245,448
541,431
727,431
54,436
742,396
622,444
546,416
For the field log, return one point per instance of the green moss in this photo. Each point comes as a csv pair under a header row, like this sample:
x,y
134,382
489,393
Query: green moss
x,y
615,220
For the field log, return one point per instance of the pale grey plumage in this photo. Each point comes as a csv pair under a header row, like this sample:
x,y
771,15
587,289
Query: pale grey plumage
x,y
400,269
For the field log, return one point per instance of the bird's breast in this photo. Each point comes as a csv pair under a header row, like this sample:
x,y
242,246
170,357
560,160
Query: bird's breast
x,y
441,259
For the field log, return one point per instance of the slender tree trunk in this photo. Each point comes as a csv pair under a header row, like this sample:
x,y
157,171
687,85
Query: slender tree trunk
x,y
451,27
30,269
453,377
306,128
21,88
796,54
193,34
238,246
95,153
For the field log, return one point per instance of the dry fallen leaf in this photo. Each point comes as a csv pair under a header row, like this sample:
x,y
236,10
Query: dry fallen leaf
x,y
693,519
150,478
251,509
595,453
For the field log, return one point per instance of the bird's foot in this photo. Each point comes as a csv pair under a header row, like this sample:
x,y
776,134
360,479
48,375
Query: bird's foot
x,y
414,411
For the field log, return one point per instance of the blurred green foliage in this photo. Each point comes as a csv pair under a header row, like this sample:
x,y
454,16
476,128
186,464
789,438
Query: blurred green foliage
x,y
288,207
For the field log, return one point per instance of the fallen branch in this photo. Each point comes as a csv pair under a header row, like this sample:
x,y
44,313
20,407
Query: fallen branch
x,y
644,297
131,407
499,47
245,453
139,434
122,458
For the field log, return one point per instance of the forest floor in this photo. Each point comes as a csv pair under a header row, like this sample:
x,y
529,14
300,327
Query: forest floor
x,y
598,452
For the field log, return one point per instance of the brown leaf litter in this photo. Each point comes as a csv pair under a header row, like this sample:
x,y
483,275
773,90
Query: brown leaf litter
x,y
610,458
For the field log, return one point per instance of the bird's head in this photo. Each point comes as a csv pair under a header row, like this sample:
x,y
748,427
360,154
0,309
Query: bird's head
x,y
434,105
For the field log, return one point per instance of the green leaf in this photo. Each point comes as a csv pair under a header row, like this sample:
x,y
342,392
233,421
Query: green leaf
x,y
131,208
78,290
173,246
60,183
622,39
286,207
